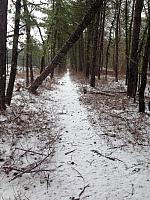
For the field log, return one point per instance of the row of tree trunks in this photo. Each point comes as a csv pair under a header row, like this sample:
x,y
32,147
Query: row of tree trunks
x,y
67,46
3,36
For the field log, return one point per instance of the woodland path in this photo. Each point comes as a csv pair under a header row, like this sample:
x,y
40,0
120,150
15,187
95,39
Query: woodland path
x,y
82,173
84,164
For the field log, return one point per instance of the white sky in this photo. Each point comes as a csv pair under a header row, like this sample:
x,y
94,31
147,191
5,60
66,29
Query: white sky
x,y
34,32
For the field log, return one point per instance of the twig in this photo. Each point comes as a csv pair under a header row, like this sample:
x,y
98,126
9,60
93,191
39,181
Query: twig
x,y
85,186
28,150
80,175
110,158
132,189
70,152
83,190
30,167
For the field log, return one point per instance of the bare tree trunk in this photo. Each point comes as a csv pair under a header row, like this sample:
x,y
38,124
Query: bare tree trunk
x,y
101,56
133,68
108,46
28,41
3,36
95,41
127,40
81,53
144,68
14,54
69,43
118,7
31,68
88,50
42,63
131,25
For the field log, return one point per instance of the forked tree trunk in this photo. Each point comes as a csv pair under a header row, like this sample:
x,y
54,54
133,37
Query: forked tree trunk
x,y
14,54
3,36
69,43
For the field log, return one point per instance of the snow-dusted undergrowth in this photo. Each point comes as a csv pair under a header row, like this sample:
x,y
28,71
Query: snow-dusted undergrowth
x,y
92,159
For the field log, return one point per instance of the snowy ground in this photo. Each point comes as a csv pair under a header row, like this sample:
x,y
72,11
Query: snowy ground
x,y
83,163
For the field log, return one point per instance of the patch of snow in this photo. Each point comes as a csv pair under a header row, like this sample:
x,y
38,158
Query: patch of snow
x,y
3,118
84,165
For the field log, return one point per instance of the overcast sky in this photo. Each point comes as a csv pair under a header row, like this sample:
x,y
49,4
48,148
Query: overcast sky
x,y
34,32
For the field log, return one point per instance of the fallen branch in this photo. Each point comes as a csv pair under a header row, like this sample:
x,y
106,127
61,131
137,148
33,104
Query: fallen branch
x,y
83,190
85,186
114,92
102,93
29,151
31,167
110,158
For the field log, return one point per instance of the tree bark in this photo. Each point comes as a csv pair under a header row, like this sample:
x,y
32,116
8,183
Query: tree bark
x,y
88,50
69,43
133,67
118,7
127,40
109,44
144,68
28,41
3,39
14,54
94,56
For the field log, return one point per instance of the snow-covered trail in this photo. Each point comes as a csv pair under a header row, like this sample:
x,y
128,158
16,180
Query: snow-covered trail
x,y
81,173
77,170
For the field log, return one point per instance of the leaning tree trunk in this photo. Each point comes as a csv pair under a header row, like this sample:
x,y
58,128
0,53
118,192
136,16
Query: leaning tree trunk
x,y
133,67
69,43
3,36
14,54
144,69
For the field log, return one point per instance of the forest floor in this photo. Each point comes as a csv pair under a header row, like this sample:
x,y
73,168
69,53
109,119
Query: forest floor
x,y
64,144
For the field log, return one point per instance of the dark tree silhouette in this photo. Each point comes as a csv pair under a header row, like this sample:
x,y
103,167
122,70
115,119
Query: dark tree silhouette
x,y
133,67
14,54
3,37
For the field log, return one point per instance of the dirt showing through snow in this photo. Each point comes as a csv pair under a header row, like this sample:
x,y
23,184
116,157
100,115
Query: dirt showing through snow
x,y
83,165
